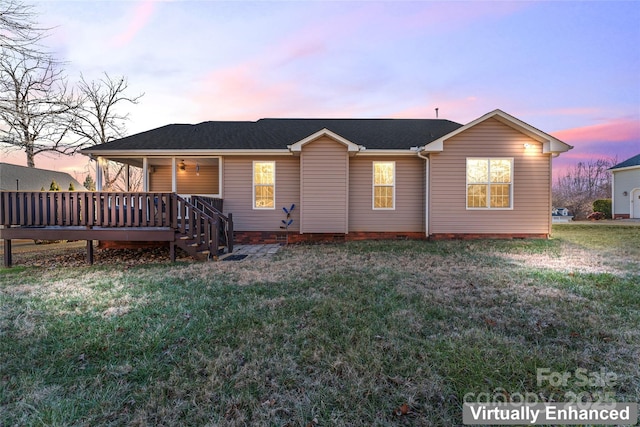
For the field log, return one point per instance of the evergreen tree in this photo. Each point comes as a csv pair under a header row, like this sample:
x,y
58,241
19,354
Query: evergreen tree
x,y
89,183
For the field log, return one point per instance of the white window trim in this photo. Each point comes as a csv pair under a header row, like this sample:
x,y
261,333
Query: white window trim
x,y
373,186
253,185
466,187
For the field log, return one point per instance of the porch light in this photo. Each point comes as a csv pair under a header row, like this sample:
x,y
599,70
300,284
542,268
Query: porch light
x,y
182,166
197,169
527,145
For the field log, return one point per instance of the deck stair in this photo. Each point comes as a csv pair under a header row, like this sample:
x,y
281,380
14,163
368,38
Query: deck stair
x,y
202,230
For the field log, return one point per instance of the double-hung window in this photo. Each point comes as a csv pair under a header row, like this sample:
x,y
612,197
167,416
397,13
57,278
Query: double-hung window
x,y
489,183
384,185
264,185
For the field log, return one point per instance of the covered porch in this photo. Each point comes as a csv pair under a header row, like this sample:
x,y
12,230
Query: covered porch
x,y
183,175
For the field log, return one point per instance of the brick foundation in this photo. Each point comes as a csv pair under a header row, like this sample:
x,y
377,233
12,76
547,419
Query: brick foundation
x,y
621,216
475,236
255,237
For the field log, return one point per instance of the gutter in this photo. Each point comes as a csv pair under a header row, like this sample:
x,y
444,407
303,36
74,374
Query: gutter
x,y
427,184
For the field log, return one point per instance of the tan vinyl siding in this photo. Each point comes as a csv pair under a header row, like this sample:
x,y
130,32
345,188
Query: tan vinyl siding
x,y
187,181
238,193
531,183
206,183
160,179
408,214
324,181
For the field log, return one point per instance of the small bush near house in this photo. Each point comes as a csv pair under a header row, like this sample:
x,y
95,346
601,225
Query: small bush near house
x,y
604,206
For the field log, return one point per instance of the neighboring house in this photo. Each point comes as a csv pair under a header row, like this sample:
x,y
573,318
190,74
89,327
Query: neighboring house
x,y
22,178
356,178
561,215
625,189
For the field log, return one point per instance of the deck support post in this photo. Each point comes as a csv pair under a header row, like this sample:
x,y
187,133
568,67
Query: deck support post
x,y
172,251
7,252
90,252
230,234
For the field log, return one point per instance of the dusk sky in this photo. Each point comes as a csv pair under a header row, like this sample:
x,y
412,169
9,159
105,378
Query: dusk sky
x,y
571,69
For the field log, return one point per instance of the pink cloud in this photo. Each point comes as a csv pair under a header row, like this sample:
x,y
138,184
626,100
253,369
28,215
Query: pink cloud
x,y
141,16
616,139
613,131
241,92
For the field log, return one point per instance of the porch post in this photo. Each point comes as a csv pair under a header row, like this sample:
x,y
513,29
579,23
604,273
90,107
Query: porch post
x,y
127,178
145,175
174,180
220,177
99,173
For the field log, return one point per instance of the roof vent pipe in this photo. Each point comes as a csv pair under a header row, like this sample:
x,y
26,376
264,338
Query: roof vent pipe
x,y
436,113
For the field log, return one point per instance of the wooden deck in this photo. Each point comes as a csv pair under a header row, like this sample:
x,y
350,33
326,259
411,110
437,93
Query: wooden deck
x,y
197,224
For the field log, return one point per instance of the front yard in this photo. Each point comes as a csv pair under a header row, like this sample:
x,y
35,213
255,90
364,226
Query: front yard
x,y
369,333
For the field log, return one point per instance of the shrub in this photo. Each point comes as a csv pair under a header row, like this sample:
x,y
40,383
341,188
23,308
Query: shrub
x,y
54,186
596,216
604,206
71,187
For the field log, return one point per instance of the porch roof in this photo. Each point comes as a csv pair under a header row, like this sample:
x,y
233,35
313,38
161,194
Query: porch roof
x,y
274,134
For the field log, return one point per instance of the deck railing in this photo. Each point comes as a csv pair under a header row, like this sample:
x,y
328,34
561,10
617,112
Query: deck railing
x,y
89,209
196,225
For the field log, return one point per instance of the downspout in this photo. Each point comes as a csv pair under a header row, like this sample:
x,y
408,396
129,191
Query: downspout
x,y
426,190
550,219
613,197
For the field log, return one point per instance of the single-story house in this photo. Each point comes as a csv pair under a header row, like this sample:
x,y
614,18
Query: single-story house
x,y
355,178
625,189
22,178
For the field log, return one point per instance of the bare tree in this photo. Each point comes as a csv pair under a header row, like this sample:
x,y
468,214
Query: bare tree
x,y
582,184
19,32
35,104
97,121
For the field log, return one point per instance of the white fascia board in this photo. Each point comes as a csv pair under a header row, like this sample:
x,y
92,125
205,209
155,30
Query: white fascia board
x,y
435,146
387,153
184,153
351,147
550,144
627,168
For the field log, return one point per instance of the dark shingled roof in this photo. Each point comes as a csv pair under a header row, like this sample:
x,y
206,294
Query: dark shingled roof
x,y
634,161
32,179
279,133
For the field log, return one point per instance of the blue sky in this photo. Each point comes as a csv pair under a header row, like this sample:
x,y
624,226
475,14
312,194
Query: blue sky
x,y
571,69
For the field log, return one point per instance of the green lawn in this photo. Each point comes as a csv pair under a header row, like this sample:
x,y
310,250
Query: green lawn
x,y
322,335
